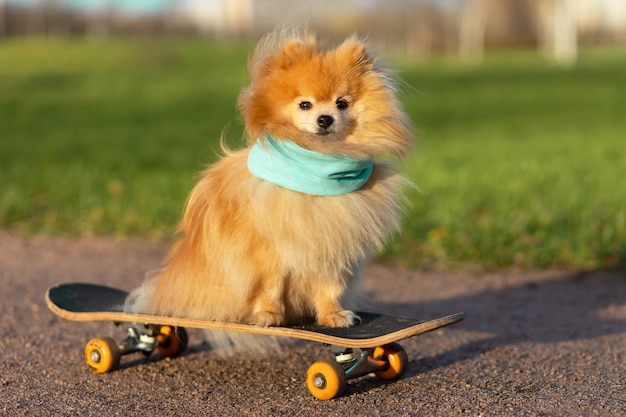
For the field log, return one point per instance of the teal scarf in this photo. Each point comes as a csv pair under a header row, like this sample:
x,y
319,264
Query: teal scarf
x,y
284,163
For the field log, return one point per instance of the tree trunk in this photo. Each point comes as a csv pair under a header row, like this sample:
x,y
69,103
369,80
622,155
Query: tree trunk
x,y
472,30
558,30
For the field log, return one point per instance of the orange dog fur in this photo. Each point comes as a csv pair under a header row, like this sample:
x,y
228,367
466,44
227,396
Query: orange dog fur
x,y
254,252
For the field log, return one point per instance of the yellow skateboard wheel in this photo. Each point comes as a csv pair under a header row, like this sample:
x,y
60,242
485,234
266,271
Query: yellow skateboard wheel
x,y
172,341
326,380
102,354
396,356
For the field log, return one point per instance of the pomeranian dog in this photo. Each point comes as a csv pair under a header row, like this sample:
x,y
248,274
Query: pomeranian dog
x,y
277,233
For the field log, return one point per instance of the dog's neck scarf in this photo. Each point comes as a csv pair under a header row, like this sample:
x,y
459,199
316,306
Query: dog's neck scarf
x,y
284,163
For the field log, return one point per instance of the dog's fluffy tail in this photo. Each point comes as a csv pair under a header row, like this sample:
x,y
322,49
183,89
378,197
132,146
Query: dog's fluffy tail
x,y
139,299
225,344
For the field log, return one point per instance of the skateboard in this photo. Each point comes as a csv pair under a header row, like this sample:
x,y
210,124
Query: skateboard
x,y
370,346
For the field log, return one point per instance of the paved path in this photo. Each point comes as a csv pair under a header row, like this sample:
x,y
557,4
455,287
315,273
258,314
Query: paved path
x,y
534,343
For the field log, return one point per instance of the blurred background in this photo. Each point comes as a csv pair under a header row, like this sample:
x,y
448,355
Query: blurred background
x,y
410,27
110,108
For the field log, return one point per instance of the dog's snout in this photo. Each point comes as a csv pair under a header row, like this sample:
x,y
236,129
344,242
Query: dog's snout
x,y
325,121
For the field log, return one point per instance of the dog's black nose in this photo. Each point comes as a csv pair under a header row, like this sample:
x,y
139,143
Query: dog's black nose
x,y
324,121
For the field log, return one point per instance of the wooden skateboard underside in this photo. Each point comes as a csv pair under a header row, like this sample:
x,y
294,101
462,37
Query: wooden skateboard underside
x,y
88,302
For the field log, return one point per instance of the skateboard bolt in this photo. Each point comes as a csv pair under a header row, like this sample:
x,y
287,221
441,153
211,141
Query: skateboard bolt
x,y
319,381
95,356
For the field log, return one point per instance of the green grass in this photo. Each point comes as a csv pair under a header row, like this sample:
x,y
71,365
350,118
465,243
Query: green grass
x,y
518,162
106,137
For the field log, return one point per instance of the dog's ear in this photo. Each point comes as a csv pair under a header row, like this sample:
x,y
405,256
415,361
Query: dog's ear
x,y
294,48
355,52
294,51
268,58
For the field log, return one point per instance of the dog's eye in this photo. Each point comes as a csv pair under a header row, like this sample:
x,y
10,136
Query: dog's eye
x,y
305,105
341,104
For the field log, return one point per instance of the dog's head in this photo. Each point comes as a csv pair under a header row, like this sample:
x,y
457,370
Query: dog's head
x,y
334,100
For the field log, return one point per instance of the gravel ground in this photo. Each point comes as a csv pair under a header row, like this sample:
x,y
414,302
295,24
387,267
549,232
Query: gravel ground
x,y
534,343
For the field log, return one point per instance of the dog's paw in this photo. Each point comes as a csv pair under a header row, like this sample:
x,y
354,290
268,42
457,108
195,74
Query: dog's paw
x,y
344,318
266,318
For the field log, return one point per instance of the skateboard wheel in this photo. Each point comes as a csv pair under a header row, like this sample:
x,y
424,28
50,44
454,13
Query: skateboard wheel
x,y
396,356
326,380
171,340
102,354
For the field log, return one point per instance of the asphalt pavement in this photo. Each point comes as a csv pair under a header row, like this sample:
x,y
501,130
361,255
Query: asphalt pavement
x,y
549,342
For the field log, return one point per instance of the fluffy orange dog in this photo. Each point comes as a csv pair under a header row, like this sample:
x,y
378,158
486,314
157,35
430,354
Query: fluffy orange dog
x,y
278,232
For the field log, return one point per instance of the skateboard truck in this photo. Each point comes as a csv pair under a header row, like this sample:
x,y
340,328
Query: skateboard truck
x,y
358,362
144,341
